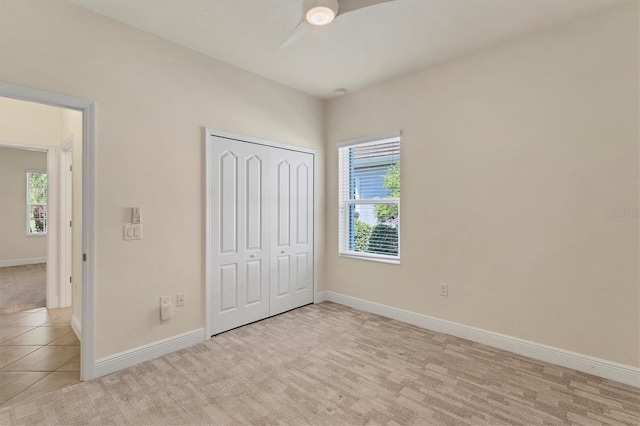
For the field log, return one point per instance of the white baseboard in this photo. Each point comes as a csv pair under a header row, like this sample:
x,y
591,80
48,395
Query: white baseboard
x,y
113,363
580,362
319,297
76,326
19,262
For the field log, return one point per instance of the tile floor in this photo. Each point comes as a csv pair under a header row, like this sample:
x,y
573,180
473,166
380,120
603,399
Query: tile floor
x,y
39,353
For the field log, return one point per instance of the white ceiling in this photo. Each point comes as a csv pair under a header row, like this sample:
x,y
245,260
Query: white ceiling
x,y
357,50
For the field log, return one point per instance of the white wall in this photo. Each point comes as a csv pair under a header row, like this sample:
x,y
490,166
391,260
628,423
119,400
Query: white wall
x,y
510,158
14,242
153,99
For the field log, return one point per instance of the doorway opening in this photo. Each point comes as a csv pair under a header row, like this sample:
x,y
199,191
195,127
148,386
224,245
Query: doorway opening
x,y
40,260
40,197
87,108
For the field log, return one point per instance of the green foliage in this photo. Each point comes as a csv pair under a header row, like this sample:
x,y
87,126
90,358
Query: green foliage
x,y
37,199
37,188
386,213
362,234
383,237
383,240
392,180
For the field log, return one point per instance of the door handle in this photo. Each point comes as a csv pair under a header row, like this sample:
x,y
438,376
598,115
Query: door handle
x,y
252,256
281,251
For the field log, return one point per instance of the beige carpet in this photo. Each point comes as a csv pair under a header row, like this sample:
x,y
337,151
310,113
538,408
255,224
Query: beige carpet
x,y
330,365
23,287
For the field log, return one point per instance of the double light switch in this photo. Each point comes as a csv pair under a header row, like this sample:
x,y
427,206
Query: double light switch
x,y
134,230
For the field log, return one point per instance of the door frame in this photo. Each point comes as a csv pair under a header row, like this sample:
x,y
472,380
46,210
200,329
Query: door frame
x,y
65,237
53,296
88,109
210,133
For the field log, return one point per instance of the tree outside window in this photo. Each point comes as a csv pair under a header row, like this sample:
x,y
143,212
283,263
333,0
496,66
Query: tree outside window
x,y
36,203
381,238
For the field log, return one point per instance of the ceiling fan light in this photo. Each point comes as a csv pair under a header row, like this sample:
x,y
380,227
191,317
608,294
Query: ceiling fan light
x,y
320,15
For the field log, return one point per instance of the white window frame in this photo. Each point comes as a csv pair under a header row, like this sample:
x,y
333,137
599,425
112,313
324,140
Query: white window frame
x,y
345,203
29,205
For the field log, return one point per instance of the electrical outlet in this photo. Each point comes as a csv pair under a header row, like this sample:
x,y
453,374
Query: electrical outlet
x,y
180,300
444,289
165,308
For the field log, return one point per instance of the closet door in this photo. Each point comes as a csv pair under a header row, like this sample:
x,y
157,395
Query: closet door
x,y
291,248
239,247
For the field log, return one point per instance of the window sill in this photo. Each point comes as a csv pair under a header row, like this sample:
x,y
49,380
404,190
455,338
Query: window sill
x,y
370,258
36,235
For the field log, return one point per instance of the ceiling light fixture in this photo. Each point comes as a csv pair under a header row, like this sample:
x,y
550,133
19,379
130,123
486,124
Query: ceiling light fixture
x,y
340,92
320,16
321,12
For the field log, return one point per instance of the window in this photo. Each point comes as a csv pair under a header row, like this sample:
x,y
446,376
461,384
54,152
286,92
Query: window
x,y
36,203
369,192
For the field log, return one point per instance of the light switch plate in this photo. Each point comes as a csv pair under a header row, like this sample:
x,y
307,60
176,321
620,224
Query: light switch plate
x,y
135,215
132,232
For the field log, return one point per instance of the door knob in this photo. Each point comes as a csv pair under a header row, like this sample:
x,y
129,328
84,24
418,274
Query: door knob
x,y
252,256
281,251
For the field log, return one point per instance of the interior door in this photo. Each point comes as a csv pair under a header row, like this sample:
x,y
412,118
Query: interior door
x,y
66,229
291,248
239,262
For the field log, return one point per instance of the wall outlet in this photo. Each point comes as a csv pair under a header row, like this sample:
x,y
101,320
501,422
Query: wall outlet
x,y
165,308
180,300
444,289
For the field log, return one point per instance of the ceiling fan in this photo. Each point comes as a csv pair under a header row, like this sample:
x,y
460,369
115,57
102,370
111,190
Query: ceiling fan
x,y
323,12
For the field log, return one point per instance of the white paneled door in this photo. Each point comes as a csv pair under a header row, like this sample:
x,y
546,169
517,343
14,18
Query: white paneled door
x,y
260,225
239,258
291,231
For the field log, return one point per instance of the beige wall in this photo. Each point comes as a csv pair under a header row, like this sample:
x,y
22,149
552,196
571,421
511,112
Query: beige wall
x,y
71,129
25,123
28,122
510,158
14,243
153,99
